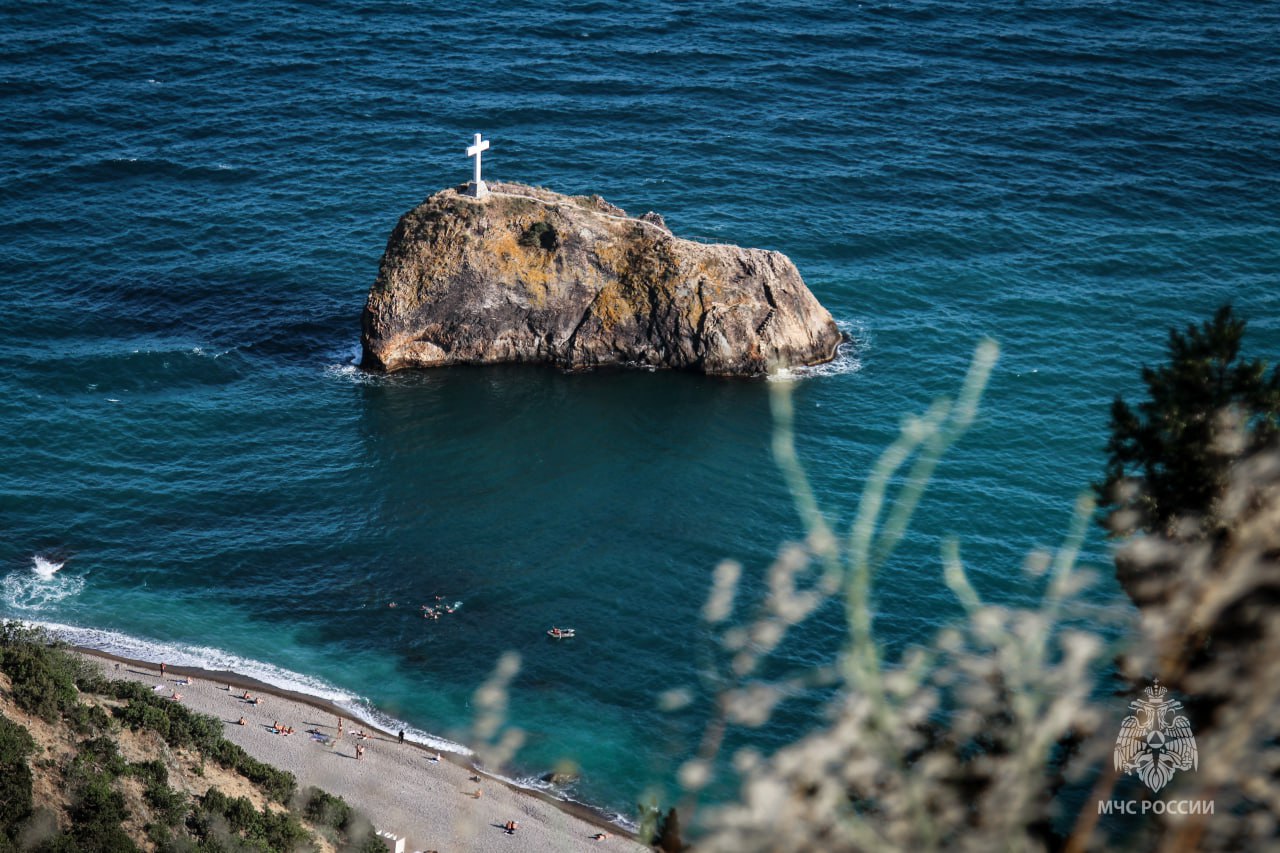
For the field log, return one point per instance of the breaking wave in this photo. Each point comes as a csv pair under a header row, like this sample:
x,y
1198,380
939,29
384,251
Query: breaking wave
x,y
39,586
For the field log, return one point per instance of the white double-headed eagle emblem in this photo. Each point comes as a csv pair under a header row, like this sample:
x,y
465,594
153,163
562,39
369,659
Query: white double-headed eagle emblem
x,y
1151,746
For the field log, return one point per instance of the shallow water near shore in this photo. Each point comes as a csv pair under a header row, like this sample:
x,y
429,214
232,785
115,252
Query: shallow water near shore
x,y
194,206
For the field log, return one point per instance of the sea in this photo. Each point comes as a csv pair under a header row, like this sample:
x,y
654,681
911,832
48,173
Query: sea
x,y
194,199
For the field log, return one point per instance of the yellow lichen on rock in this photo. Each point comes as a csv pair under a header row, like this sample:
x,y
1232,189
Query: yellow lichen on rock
x,y
518,264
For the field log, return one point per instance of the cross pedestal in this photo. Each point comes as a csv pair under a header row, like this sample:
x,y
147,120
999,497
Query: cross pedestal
x,y
477,188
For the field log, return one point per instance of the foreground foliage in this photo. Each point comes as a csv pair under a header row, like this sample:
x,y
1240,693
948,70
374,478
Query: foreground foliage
x,y
998,733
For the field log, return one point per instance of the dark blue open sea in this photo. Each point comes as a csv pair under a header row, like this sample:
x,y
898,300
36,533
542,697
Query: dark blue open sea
x,y
194,198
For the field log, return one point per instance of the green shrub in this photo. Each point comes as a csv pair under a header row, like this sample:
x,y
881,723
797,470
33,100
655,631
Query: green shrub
x,y
15,778
88,719
179,726
279,785
151,772
220,816
39,687
241,814
97,812
281,831
349,829
541,235
46,676
100,755
170,806
324,809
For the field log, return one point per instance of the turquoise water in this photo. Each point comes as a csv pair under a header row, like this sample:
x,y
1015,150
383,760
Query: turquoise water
x,y
194,204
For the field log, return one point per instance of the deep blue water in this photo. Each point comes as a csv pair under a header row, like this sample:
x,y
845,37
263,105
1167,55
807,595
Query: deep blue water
x,y
194,200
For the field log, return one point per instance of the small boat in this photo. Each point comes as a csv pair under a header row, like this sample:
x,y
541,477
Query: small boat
x,y
560,633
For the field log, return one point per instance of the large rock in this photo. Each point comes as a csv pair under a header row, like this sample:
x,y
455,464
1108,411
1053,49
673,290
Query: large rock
x,y
527,275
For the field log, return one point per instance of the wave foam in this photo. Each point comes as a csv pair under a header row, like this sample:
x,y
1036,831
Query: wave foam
x,y
566,794
364,712
39,588
348,365
218,660
848,356
201,657
46,567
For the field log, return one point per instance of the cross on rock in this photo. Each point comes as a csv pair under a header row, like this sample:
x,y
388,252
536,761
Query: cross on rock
x,y
477,187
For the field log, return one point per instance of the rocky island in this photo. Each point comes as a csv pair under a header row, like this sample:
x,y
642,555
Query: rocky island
x,y
523,274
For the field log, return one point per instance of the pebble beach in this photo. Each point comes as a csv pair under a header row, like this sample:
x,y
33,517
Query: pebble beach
x,y
432,803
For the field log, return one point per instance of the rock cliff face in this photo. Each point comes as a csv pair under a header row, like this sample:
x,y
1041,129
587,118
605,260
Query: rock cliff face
x,y
527,275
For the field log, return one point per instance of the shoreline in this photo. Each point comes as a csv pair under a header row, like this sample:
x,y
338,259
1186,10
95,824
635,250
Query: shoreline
x,y
231,683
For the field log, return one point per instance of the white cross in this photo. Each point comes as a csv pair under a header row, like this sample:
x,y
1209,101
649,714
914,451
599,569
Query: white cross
x,y
473,150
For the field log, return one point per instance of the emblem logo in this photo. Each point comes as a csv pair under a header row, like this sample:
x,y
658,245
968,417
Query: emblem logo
x,y
1151,746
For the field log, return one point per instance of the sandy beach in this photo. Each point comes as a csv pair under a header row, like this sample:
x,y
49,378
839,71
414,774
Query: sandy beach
x,y
433,804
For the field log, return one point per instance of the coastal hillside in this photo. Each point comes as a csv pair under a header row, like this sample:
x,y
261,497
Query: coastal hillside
x,y
91,764
528,275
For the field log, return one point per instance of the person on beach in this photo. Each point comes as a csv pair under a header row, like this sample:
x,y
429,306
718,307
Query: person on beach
x,y
600,836
360,751
162,669
339,727
177,697
477,794
435,757
243,722
402,735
